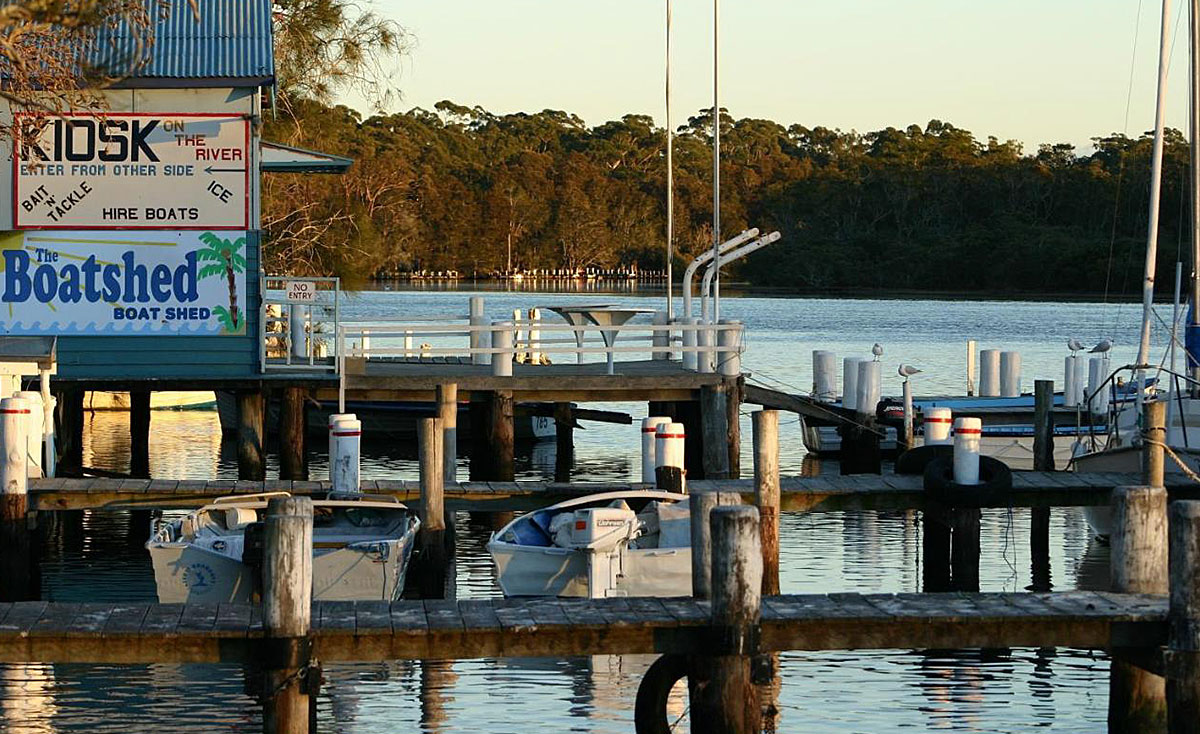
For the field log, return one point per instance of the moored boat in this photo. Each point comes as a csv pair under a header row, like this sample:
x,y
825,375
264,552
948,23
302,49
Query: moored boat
x,y
361,548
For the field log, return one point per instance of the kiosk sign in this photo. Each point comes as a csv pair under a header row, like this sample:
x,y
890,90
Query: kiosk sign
x,y
113,282
131,171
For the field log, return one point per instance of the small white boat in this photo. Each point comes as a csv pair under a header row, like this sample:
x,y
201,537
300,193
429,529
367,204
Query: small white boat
x,y
361,548
635,543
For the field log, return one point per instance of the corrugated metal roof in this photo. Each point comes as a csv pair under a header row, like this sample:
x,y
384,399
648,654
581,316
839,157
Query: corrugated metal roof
x,y
230,40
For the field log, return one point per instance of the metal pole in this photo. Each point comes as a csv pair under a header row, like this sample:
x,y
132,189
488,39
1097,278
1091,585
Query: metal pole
x,y
1194,125
1155,190
717,164
670,179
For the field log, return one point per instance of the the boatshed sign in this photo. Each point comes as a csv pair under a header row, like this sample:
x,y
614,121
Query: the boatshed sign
x,y
131,171
112,282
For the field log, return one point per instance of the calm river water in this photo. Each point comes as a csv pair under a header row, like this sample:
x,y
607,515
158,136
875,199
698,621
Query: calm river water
x,y
996,691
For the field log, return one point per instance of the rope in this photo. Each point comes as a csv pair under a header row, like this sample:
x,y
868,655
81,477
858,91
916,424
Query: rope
x,y
1187,470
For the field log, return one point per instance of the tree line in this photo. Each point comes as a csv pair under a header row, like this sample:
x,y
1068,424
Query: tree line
x,y
928,208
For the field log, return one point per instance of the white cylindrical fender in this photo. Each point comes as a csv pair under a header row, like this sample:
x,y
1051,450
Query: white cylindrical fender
x,y
937,422
668,445
650,445
870,386
298,331
14,427
989,373
1010,374
660,338
968,434
34,432
502,338
824,370
478,336
729,359
691,361
333,421
344,463
1069,376
850,382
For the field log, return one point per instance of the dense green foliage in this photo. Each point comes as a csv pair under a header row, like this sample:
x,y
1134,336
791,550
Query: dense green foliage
x,y
926,208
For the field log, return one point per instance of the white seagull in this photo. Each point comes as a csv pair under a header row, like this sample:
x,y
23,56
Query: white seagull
x,y
877,350
1102,347
1074,345
907,370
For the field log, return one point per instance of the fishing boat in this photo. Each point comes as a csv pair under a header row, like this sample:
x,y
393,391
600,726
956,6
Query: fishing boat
x,y
361,548
635,543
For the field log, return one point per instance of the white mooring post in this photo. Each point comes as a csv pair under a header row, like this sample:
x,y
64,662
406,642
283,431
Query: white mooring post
x,y
1070,374
478,338
989,373
502,339
937,423
869,387
970,367
649,443
704,341
1010,374
14,427
297,331
968,434
669,444
824,369
49,403
33,432
729,359
850,382
344,461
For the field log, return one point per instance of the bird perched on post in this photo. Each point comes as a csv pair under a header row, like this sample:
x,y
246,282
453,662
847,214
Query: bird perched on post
x,y
877,350
1074,345
907,370
1102,347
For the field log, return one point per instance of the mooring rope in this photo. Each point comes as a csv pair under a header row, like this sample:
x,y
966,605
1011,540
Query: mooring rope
x,y
1187,470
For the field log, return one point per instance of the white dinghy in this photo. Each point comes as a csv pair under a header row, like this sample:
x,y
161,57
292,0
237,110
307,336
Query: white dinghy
x,y
635,543
361,548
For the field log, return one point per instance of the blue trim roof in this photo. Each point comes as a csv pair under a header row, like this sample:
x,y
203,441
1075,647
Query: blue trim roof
x,y
230,41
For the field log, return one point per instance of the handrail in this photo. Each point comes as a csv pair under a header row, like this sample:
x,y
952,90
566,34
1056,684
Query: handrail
x,y
740,252
704,257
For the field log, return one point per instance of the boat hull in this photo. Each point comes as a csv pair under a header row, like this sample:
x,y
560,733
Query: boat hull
x,y
552,571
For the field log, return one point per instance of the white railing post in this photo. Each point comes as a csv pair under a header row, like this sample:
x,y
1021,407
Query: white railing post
x,y
660,337
477,337
502,339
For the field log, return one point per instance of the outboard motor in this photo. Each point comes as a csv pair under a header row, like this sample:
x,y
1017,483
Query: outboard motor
x,y
603,534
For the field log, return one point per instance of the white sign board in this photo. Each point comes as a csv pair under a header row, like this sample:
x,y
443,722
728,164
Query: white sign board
x,y
131,171
122,283
301,291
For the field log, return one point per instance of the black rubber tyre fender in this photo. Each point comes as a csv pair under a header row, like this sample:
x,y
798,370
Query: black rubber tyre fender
x,y
916,459
995,482
650,706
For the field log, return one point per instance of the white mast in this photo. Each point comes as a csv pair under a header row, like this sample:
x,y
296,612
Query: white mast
x,y
1194,125
717,166
670,178
1143,357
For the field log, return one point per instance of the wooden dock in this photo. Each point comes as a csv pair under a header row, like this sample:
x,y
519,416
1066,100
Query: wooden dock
x,y
373,631
798,494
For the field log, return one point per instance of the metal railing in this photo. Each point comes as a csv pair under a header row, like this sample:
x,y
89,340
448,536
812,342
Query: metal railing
x,y
298,324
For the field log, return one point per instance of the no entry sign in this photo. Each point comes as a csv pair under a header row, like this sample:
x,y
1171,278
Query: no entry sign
x,y
131,171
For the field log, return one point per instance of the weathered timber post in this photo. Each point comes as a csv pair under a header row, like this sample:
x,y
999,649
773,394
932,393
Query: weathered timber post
x,y
1154,436
1043,460
250,436
723,698
688,413
964,549
18,565
564,437
714,420
766,493
501,438
700,506
733,425
1183,644
139,433
1137,698
935,546
432,546
447,413
286,608
293,410
70,429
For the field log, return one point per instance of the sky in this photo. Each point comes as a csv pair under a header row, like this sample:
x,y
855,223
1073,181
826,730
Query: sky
x,y
1036,71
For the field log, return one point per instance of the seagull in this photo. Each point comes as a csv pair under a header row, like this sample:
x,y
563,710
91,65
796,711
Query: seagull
x,y
907,370
877,351
1074,345
1102,347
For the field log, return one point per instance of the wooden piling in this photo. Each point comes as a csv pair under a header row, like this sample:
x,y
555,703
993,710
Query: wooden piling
x,y
18,565
765,426
689,414
139,433
1043,460
733,425
701,505
1137,697
1183,644
935,548
861,453
286,609
724,699
70,432
964,549
714,426
293,424
435,549
251,465
1154,436
564,437
447,413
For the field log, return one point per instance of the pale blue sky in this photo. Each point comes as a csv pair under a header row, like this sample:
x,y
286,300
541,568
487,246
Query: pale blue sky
x,y
1033,70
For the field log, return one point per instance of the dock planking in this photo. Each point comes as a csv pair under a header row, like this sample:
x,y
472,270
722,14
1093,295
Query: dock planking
x,y
474,628
886,492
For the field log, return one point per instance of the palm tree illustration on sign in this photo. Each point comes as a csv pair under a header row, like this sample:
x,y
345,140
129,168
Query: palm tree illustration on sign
x,y
224,256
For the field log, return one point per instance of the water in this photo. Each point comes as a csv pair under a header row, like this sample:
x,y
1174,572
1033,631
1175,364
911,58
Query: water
x,y
877,691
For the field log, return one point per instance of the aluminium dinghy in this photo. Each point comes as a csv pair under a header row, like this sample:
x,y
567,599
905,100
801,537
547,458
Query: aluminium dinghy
x,y
633,543
361,548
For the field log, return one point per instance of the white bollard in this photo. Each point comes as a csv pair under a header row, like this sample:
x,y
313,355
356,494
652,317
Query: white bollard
x,y
1098,385
850,381
1069,375
989,373
668,445
649,446
535,336
502,338
968,433
14,423
297,330
704,340
34,431
479,338
937,422
729,359
364,343
1080,380
51,456
824,370
1010,374
691,360
870,386
344,463
333,421
970,367
660,339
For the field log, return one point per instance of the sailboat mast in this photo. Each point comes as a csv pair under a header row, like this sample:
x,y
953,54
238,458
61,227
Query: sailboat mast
x,y
670,178
1143,357
1194,133
717,164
